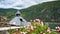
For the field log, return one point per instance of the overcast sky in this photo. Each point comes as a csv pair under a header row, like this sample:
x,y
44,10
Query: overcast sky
x,y
20,4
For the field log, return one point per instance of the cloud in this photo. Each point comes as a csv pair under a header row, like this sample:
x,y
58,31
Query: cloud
x,y
20,4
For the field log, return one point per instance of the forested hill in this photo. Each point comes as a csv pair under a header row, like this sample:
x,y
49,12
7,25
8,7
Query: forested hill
x,y
49,11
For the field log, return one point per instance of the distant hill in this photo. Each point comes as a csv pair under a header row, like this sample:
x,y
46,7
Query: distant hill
x,y
3,12
52,12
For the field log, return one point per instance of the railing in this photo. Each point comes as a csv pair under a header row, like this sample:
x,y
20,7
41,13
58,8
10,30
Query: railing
x,y
8,28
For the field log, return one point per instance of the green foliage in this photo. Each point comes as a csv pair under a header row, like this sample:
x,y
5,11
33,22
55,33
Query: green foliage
x,y
51,12
39,28
23,29
11,31
52,32
10,14
53,25
43,29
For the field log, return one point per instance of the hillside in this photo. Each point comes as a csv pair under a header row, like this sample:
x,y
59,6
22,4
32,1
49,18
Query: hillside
x,y
52,12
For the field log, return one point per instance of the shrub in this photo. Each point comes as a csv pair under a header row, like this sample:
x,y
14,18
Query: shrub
x,y
38,29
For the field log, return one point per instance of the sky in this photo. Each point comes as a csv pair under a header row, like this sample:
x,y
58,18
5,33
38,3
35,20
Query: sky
x,y
20,4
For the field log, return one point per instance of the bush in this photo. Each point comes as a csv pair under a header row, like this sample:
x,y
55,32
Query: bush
x,y
39,29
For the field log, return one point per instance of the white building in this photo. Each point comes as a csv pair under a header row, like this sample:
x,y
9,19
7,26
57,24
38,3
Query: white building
x,y
18,20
